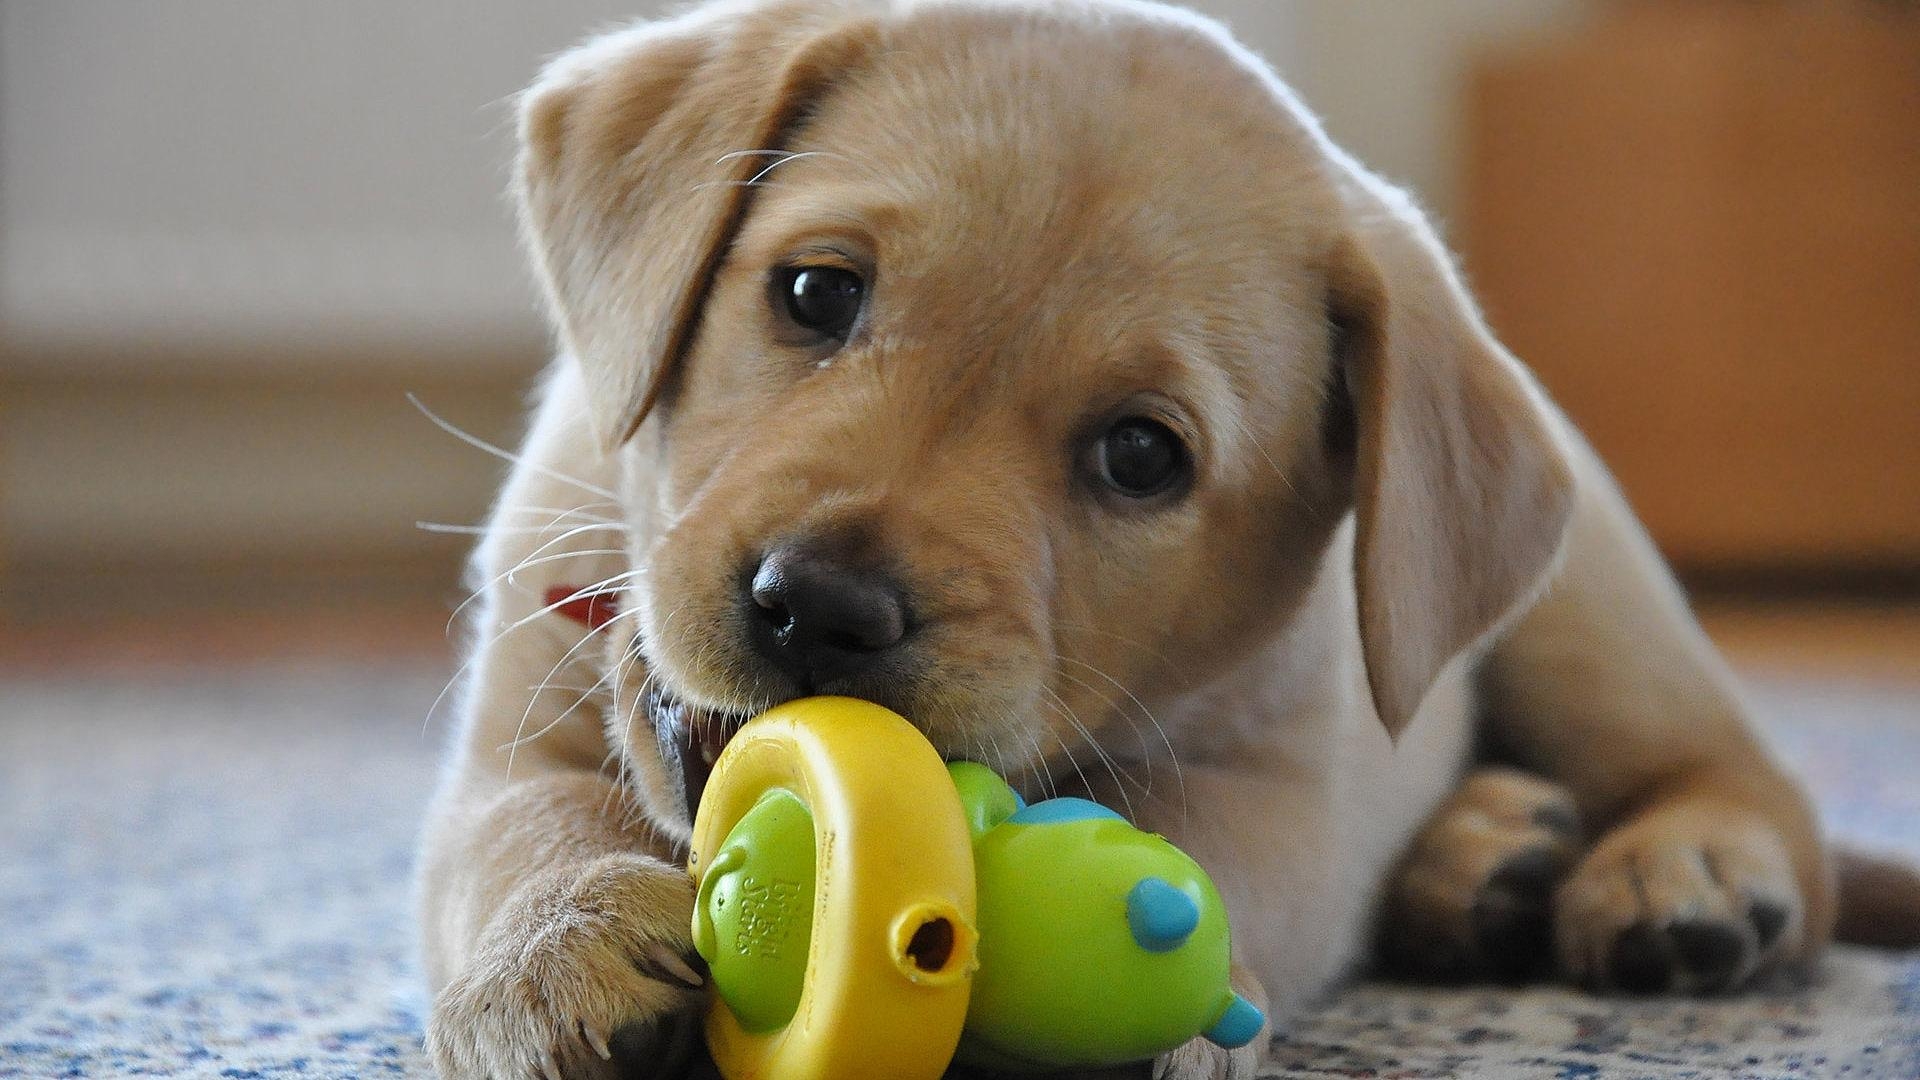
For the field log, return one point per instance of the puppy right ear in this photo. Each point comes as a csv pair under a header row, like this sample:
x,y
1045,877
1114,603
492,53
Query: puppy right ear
x,y
1462,491
637,152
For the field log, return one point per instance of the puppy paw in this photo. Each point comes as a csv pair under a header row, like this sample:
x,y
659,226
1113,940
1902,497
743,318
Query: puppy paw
x,y
1202,1060
1686,902
584,977
1473,898
1199,1059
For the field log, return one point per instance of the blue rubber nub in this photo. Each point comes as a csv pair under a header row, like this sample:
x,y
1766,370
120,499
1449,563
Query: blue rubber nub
x,y
1160,916
1237,1026
1065,808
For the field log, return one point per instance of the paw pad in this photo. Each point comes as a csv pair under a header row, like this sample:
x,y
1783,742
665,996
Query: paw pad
x,y
1698,955
1512,915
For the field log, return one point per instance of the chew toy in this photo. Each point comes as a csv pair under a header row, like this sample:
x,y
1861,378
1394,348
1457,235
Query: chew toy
x,y
869,911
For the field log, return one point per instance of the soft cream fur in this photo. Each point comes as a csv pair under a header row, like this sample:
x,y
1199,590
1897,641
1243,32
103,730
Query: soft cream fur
x,y
1065,209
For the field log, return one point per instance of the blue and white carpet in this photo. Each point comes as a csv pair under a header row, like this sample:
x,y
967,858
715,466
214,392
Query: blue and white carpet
x,y
207,875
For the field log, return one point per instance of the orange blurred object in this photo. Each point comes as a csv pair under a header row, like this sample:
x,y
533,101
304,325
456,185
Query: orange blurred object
x,y
1700,223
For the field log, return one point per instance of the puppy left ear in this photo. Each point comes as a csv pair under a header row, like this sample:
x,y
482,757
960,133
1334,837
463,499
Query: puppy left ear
x,y
1461,489
637,155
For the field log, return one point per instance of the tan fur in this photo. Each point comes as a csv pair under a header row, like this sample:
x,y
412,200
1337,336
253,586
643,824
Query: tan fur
x,y
1453,879
611,133
1461,497
1067,211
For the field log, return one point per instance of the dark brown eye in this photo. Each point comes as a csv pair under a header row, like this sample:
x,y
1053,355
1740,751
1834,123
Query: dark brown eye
x,y
823,299
1140,458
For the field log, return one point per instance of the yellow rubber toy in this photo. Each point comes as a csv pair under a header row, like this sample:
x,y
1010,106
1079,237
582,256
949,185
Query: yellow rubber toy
x,y
907,880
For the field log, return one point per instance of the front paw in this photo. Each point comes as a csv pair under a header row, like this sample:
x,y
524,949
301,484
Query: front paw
x,y
1196,1059
1473,897
1202,1060
1199,1059
578,977
1684,903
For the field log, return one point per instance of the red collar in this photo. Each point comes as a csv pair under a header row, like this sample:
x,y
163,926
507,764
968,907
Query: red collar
x,y
593,610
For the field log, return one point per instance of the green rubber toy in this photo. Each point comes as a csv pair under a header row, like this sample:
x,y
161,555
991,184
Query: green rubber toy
x,y
1099,943
1092,943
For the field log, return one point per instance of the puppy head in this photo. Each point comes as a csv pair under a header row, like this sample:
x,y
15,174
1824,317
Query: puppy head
x,y
1012,367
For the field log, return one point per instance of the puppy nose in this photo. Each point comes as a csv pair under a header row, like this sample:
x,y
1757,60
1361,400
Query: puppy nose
x,y
820,619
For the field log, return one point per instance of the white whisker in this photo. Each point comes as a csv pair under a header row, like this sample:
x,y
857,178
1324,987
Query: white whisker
x,y
1122,638
505,455
510,530
704,184
519,740
999,758
1114,708
585,553
757,177
507,576
1173,757
1106,759
1072,760
480,650
584,510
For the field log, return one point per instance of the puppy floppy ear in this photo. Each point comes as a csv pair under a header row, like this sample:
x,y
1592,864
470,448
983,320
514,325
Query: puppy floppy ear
x,y
636,154
1461,489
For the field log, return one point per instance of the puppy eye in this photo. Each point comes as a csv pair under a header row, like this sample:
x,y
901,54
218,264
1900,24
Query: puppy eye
x,y
1139,457
823,299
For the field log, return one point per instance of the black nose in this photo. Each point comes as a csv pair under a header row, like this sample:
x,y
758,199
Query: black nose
x,y
820,619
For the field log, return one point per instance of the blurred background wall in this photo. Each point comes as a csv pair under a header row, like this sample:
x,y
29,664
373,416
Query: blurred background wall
x,y
234,234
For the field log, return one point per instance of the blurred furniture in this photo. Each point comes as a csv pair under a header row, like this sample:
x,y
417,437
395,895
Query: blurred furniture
x,y
1700,223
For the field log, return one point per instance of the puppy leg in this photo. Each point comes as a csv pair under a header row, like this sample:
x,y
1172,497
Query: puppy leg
x,y
1695,894
1708,865
556,924
554,921
579,940
1473,897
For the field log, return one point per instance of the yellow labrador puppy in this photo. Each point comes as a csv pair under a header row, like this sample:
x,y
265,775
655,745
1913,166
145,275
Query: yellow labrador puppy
x,y
1043,372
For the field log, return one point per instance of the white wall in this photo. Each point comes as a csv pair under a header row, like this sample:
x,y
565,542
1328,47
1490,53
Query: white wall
x,y
304,173
198,169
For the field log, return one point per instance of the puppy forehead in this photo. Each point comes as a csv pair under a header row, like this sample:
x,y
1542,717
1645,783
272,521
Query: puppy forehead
x,y
1118,120
1135,162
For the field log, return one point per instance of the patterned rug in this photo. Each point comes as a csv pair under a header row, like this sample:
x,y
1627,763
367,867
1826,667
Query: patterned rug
x,y
207,876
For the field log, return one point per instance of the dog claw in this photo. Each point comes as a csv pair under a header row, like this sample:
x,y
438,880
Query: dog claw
x,y
664,957
596,1039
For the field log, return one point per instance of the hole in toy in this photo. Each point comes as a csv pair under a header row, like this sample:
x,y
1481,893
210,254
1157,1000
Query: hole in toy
x,y
931,945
